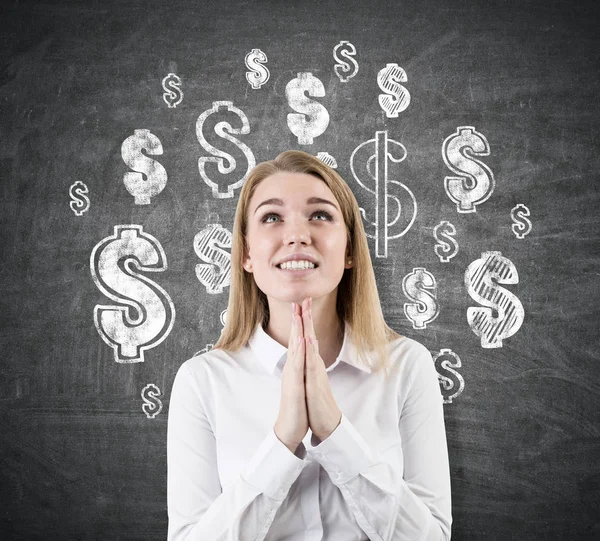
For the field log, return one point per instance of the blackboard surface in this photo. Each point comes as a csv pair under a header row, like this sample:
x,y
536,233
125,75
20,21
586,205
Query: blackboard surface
x,y
85,110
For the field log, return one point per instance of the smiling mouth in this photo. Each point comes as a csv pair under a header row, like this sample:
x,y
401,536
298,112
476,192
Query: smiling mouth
x,y
298,271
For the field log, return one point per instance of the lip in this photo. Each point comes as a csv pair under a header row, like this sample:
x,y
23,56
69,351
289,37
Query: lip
x,y
298,256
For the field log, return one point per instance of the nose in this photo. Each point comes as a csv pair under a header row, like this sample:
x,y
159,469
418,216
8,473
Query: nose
x,y
297,231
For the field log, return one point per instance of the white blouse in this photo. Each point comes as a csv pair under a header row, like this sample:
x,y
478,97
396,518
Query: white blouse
x,y
382,474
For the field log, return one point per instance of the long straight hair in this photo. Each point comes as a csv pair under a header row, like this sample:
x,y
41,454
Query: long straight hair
x,y
357,300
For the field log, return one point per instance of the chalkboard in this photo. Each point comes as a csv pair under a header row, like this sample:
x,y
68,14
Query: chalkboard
x,y
129,121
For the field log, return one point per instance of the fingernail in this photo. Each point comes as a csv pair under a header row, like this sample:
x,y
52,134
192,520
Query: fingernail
x,y
293,307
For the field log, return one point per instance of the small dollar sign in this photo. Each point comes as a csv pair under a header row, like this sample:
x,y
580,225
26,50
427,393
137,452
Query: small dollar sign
x,y
476,181
342,69
504,315
145,314
445,250
152,404
318,117
259,74
143,189
451,382
173,94
522,225
396,98
79,201
224,130
394,207
420,286
208,245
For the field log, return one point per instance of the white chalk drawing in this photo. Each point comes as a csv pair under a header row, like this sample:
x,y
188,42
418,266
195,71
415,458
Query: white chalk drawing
x,y
394,207
521,225
80,202
504,313
258,74
345,70
173,94
152,405
476,181
313,118
327,159
420,287
396,98
446,247
451,382
223,129
145,314
151,177
209,245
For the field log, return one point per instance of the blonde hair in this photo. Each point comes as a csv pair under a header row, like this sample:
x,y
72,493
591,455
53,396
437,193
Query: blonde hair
x,y
357,298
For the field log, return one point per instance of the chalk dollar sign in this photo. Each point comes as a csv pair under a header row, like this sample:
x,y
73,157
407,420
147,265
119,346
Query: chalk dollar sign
x,y
445,250
208,245
521,225
173,94
152,405
504,313
396,98
451,382
392,204
476,181
342,69
259,74
151,177
224,129
79,201
145,314
314,118
420,286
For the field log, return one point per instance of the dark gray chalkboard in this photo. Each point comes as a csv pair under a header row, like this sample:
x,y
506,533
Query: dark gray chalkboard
x,y
83,454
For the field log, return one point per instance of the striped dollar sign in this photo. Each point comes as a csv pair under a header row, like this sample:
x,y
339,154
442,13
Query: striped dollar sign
x,y
503,315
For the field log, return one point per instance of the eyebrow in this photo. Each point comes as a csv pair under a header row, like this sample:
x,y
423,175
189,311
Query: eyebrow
x,y
309,201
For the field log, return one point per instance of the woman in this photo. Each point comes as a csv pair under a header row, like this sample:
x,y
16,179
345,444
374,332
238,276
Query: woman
x,y
309,414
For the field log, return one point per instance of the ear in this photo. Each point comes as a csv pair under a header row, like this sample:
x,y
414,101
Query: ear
x,y
247,262
348,263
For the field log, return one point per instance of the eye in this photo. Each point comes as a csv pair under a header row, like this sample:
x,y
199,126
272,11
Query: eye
x,y
265,218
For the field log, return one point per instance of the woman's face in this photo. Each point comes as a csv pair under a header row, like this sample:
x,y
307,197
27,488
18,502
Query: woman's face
x,y
295,224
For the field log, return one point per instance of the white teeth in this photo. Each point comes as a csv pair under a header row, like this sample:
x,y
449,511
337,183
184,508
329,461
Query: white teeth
x,y
297,265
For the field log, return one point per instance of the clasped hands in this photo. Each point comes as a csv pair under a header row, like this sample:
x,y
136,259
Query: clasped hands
x,y
324,416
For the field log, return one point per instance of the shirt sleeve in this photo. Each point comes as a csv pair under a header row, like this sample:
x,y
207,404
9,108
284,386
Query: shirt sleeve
x,y
198,508
389,506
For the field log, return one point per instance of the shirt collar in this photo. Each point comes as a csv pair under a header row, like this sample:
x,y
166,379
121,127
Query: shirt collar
x,y
272,355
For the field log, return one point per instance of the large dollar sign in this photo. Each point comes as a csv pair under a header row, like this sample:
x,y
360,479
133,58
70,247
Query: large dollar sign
x,y
476,181
80,202
394,213
396,98
521,225
420,286
505,314
173,94
342,69
223,129
208,245
451,382
143,189
145,314
152,404
445,250
259,74
318,117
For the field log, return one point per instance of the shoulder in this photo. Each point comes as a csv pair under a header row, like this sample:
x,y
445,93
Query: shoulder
x,y
411,357
207,364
